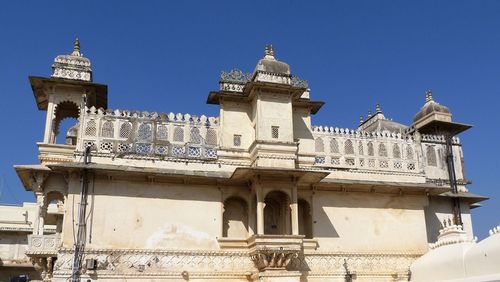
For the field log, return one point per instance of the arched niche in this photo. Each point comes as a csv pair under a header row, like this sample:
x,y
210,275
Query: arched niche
x,y
277,216
235,218
305,220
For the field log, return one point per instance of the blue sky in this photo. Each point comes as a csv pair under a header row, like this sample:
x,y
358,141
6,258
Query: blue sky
x,y
166,56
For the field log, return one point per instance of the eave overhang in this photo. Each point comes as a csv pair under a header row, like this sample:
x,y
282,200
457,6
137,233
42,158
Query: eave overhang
x,y
439,126
98,93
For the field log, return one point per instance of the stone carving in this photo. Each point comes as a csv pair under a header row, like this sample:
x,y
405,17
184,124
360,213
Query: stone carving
x,y
235,75
276,259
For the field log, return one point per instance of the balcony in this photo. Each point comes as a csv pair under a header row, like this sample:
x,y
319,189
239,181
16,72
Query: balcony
x,y
43,245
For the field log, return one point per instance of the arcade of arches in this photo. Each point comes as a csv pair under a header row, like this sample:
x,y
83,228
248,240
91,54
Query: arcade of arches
x,y
277,216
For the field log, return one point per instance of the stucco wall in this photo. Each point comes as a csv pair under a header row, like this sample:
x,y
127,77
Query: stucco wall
x,y
369,221
149,215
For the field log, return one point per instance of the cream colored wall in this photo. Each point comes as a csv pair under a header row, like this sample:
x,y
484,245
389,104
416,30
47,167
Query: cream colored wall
x,y
236,119
274,110
302,130
150,215
369,222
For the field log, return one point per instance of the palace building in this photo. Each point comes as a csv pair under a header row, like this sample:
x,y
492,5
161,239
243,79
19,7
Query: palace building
x,y
257,193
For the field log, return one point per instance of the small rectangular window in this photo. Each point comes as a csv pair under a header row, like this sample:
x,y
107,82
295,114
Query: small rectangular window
x,y
275,132
237,140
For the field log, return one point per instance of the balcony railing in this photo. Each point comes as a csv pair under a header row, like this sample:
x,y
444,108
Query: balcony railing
x,y
125,133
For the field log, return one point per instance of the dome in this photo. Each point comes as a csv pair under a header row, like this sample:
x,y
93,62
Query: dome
x,y
73,66
270,64
430,107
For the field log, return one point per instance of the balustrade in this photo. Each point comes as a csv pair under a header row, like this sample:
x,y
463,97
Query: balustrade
x,y
345,148
149,134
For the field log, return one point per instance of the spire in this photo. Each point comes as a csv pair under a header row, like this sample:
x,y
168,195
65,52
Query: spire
x,y
428,96
269,52
361,119
377,108
76,48
369,113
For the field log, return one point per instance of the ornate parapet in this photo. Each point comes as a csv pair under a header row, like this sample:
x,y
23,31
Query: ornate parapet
x,y
148,135
43,245
377,151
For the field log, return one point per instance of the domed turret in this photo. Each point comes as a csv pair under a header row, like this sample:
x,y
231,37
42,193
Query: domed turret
x,y
432,107
73,66
270,64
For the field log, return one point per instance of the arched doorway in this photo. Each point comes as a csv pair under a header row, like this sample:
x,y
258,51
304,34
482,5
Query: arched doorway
x,y
235,218
277,214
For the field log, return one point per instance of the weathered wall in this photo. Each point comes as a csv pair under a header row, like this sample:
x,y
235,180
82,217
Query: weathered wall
x,y
149,215
369,222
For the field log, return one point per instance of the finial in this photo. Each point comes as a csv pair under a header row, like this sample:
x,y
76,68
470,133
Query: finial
x,y
428,96
369,113
269,50
377,108
361,120
76,48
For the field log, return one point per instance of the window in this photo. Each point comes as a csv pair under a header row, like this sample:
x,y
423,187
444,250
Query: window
x,y
107,129
370,149
396,152
211,137
275,132
348,147
237,140
334,146
382,151
431,156
318,145
178,134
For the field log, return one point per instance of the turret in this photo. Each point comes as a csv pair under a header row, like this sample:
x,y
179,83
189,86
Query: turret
x,y
67,91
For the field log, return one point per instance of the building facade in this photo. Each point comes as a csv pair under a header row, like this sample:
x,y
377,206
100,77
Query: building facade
x,y
258,193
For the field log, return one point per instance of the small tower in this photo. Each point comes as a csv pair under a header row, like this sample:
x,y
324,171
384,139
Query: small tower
x,y
67,91
435,119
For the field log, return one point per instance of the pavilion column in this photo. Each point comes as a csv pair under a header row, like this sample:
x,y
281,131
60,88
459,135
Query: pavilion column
x,y
294,210
49,136
260,208
41,212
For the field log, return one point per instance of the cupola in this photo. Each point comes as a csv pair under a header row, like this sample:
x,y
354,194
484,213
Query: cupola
x,y
430,108
73,66
269,63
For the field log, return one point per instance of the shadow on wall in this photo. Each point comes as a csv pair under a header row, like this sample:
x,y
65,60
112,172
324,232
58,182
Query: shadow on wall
x,y
325,228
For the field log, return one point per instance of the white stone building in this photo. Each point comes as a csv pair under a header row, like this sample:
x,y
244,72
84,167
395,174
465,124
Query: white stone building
x,y
258,193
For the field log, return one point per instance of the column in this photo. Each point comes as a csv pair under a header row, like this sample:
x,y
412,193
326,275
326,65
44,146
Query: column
x,y
260,208
295,210
49,135
41,212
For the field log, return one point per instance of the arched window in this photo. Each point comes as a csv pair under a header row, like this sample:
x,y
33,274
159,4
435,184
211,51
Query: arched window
x,y
396,151
178,134
235,218
431,156
360,148
162,132
125,130
348,147
370,149
382,150
211,137
334,146
409,153
90,129
318,145
144,132
107,129
305,221
195,135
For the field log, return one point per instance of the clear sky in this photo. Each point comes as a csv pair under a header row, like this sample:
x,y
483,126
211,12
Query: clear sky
x,y
167,55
